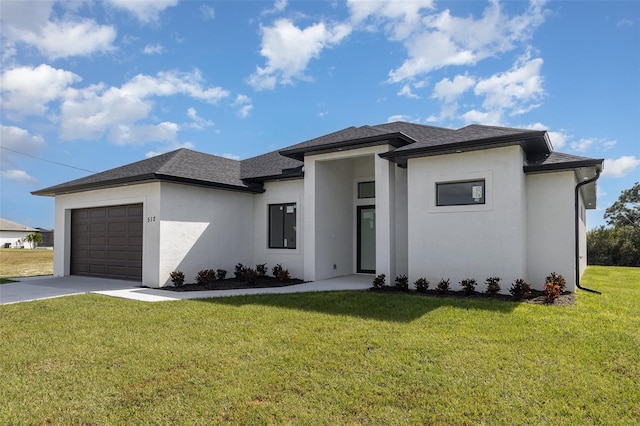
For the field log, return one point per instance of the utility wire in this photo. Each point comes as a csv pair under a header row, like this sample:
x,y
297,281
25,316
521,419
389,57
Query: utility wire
x,y
47,161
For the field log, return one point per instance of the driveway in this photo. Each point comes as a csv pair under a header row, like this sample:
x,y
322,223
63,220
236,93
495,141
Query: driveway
x,y
37,288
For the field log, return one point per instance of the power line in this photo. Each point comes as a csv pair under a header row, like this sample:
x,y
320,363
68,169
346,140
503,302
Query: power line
x,y
47,161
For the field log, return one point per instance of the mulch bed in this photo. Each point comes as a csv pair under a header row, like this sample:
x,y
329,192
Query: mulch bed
x,y
234,283
536,297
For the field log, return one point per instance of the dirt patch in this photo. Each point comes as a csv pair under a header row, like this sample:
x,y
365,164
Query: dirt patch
x,y
536,296
234,283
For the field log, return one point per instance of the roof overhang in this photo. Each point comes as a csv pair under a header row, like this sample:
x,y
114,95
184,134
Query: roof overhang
x,y
396,139
535,143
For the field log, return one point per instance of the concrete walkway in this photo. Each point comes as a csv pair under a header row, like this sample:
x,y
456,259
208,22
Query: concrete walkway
x,y
38,288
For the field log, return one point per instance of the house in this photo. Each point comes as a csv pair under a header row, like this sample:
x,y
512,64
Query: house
x,y
395,198
12,234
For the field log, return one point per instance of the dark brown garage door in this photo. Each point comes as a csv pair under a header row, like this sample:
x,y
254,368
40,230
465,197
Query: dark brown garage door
x,y
107,242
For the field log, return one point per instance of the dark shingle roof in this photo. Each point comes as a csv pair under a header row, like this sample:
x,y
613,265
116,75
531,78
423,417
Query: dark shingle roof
x,y
409,140
182,165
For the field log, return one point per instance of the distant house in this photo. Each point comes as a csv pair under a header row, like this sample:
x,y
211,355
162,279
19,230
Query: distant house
x,y
395,198
47,237
12,234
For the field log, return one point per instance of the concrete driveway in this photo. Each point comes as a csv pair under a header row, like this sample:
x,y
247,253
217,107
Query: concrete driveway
x,y
37,288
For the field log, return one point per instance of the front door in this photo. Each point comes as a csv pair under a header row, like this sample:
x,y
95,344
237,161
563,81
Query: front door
x,y
366,239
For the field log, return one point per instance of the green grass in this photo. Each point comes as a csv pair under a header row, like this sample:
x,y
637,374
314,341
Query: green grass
x,y
325,358
24,263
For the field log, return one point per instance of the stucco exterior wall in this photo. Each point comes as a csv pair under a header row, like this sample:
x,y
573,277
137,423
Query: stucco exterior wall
x,y
12,237
550,227
290,191
471,241
202,228
147,194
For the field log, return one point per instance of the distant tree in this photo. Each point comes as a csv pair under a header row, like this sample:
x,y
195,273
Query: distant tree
x,y
34,239
625,211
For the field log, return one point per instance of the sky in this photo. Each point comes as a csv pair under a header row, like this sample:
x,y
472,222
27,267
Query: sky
x,y
86,86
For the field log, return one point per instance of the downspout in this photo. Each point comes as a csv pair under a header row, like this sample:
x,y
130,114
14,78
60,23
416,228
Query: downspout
x,y
577,230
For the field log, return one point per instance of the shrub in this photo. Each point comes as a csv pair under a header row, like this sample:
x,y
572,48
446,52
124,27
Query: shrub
x,y
421,285
250,275
240,271
443,286
493,285
276,270
402,282
177,278
283,275
206,277
553,286
221,274
261,269
520,289
378,282
468,286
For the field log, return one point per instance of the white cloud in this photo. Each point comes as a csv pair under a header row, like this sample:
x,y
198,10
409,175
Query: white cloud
x,y
230,156
28,90
398,117
582,145
168,148
30,22
399,18
97,110
440,40
489,118
407,92
278,7
620,167
153,49
18,175
198,122
145,11
289,49
244,105
624,22
208,12
17,139
449,90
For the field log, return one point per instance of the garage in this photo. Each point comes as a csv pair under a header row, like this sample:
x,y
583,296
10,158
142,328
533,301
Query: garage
x,y
107,242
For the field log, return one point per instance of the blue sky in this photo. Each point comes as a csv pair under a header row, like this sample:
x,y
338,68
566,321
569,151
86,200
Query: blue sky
x,y
87,86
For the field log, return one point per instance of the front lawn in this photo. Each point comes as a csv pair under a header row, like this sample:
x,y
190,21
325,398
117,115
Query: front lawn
x,y
25,263
325,358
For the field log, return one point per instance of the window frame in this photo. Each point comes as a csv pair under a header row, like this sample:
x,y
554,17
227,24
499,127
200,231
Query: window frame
x,y
471,202
360,184
285,243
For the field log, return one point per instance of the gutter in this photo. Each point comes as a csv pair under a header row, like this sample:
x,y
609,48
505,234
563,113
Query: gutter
x,y
577,233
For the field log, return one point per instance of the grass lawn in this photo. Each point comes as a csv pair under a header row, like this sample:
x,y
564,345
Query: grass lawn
x,y
25,263
325,358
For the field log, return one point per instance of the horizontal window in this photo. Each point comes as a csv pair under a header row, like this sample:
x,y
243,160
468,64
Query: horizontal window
x,y
282,226
460,193
366,189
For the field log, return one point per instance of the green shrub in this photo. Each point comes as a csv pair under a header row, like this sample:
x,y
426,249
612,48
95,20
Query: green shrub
x,y
402,282
261,269
283,275
378,282
493,285
240,271
221,274
206,277
443,286
276,270
553,286
250,275
468,286
421,285
177,278
520,289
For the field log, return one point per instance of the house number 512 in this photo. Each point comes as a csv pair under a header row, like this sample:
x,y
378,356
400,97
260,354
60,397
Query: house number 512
x,y
151,218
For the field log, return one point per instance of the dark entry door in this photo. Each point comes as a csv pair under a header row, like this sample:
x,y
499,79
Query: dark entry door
x,y
366,239
107,242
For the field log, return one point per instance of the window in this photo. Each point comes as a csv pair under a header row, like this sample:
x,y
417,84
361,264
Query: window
x,y
282,226
367,189
460,193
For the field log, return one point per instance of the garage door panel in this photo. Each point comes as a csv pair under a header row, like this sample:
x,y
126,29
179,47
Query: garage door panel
x,y
107,242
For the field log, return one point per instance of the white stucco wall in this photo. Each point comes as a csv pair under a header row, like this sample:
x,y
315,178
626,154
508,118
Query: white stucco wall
x,y
147,194
550,227
203,228
290,191
474,241
401,217
12,237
